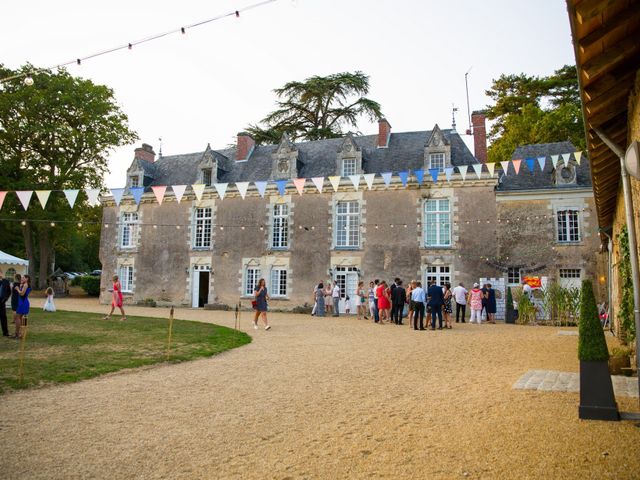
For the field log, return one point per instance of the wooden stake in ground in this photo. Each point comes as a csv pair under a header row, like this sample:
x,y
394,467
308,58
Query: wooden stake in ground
x,y
23,339
170,332
237,322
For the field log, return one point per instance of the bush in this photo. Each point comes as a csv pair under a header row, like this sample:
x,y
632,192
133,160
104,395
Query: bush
x,y
592,345
76,281
91,285
526,311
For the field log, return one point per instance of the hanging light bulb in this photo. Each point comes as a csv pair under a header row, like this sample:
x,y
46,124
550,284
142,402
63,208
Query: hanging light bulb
x,y
79,224
28,80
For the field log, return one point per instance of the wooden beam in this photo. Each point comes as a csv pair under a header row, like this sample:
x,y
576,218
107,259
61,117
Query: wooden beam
x,y
623,18
588,9
610,57
602,101
612,110
621,77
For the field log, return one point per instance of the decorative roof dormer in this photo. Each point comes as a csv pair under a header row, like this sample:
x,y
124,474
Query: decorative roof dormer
x,y
565,175
141,172
437,150
208,168
349,159
285,160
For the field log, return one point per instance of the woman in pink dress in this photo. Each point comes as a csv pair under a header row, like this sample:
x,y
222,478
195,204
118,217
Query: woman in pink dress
x,y
475,302
116,299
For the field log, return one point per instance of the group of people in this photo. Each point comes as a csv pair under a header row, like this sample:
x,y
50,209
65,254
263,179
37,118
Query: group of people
x,y
393,302
18,292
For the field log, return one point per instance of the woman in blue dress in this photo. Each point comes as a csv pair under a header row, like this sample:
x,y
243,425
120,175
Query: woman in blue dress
x,y
23,303
261,295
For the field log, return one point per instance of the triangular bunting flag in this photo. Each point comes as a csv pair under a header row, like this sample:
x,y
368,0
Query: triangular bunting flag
x,y
434,174
71,195
318,182
505,166
178,191
242,188
541,162
2,197
404,177
368,178
198,190
43,196
463,171
299,184
386,176
565,158
159,191
117,195
530,164
136,192
516,165
491,167
282,186
355,179
262,187
478,169
335,182
92,195
554,160
221,188
577,156
25,198
419,175
448,172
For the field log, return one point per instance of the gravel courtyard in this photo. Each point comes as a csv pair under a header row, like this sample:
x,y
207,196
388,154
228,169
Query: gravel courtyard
x,y
322,398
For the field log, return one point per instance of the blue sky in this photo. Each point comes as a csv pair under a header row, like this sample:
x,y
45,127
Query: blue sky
x,y
205,86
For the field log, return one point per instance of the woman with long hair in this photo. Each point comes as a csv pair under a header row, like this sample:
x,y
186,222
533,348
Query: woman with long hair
x,y
362,299
410,287
262,296
328,302
116,299
319,298
384,304
23,304
446,308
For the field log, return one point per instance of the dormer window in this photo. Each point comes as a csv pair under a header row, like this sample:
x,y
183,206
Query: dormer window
x,y
349,166
134,181
206,176
565,175
437,160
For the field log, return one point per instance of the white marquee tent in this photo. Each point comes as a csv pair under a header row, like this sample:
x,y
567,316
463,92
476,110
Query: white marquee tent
x,y
11,265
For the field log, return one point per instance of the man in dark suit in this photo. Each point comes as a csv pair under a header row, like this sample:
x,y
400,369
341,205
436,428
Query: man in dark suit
x,y
435,299
398,298
5,294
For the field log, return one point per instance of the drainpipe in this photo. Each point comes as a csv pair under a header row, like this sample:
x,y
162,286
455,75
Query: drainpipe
x,y
633,248
609,279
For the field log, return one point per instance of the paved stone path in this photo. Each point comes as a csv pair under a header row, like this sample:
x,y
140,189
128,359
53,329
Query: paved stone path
x,y
568,333
552,381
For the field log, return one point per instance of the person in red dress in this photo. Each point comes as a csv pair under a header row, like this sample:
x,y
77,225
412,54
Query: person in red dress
x,y
384,304
116,299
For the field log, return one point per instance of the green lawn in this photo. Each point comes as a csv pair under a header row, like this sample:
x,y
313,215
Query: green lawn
x,y
70,346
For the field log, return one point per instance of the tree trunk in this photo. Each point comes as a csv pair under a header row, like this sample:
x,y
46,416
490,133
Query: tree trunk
x,y
45,257
27,233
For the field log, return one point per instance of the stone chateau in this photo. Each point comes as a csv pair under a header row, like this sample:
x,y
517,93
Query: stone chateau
x,y
212,251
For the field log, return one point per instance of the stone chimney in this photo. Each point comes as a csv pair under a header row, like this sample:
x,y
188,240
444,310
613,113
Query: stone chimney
x,y
246,144
384,133
145,153
479,122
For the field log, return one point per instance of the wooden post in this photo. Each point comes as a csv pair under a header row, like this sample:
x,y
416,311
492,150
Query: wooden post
x,y
23,339
235,324
170,332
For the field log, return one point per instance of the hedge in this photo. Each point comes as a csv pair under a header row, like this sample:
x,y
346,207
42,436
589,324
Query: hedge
x,y
592,345
91,285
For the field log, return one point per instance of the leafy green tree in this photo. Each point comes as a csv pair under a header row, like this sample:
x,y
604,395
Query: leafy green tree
x,y
529,109
317,108
55,134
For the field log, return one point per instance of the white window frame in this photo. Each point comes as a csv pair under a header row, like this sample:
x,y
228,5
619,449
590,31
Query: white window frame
x,y
125,275
278,282
251,277
564,224
442,216
570,273
352,164
128,230
347,225
202,228
207,171
134,181
510,275
440,158
280,226
439,273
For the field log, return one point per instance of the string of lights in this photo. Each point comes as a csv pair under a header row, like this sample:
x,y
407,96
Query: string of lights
x,y
28,80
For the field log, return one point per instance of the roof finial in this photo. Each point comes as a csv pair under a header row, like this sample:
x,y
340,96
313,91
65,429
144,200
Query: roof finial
x,y
160,152
454,109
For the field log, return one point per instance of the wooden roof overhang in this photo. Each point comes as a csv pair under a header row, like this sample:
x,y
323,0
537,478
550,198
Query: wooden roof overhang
x,y
606,40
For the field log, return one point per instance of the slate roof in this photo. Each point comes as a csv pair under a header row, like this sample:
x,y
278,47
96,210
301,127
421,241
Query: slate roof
x,y
543,179
315,159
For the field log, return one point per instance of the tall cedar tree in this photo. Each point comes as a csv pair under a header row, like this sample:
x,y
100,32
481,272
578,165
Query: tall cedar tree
x,y
317,108
55,134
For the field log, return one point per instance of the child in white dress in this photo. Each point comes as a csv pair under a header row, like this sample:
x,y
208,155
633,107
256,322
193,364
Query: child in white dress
x,y
347,305
48,305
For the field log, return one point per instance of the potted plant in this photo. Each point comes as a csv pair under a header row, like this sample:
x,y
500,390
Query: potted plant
x,y
597,401
619,359
510,313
